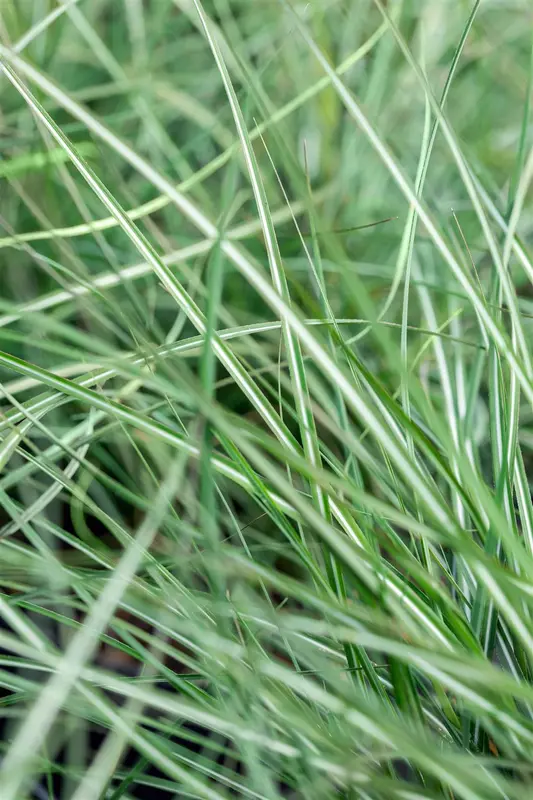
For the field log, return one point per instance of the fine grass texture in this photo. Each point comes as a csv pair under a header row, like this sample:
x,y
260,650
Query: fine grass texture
x,y
266,399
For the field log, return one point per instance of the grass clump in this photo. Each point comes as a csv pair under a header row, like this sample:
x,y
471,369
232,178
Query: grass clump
x,y
266,393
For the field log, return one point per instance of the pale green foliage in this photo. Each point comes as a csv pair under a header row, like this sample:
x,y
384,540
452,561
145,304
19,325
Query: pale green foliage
x,y
267,387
